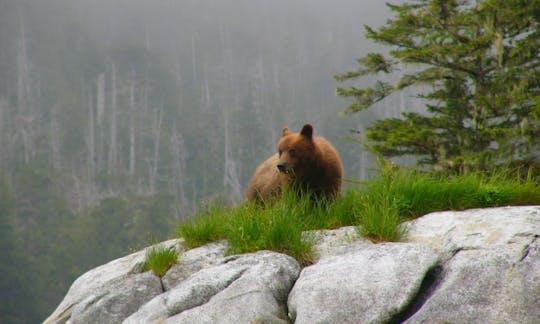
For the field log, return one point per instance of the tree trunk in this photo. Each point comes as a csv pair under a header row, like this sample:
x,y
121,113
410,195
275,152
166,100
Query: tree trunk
x,y
158,118
4,143
230,174
100,112
180,156
54,138
91,139
23,84
132,120
100,101
113,126
25,119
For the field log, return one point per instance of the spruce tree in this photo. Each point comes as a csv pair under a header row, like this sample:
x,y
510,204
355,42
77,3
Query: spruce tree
x,y
480,61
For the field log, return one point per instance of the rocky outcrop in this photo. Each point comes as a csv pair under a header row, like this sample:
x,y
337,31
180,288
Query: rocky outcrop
x,y
243,289
371,285
475,266
109,293
490,269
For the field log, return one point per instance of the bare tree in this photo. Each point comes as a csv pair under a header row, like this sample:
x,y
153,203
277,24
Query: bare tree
x,y
54,140
230,174
231,178
100,112
91,138
132,120
113,152
100,101
153,165
23,77
24,130
25,121
180,154
4,146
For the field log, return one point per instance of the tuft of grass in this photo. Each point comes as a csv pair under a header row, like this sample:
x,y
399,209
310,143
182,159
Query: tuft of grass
x,y
160,259
379,218
208,227
378,207
278,228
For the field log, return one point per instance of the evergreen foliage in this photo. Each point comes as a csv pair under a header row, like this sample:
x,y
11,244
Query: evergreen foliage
x,y
481,60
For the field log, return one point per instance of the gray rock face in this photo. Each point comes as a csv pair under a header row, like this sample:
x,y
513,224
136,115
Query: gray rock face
x,y
122,297
509,228
244,289
490,269
194,260
371,285
111,292
480,286
337,241
475,266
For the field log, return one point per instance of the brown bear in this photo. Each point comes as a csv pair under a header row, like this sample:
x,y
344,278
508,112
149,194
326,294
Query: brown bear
x,y
305,162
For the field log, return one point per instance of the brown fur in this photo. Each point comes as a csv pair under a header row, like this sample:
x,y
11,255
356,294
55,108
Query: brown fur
x,y
304,161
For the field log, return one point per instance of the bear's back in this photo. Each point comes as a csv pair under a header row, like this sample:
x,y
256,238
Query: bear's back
x,y
266,181
329,182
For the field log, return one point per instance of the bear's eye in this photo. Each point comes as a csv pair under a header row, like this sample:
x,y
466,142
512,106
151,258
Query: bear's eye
x,y
292,152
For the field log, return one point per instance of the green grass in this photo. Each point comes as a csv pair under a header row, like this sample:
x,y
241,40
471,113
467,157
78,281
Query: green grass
x,y
379,218
377,208
209,226
277,226
160,259
418,193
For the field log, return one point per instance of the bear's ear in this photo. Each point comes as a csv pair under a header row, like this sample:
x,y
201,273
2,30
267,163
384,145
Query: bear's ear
x,y
285,132
307,131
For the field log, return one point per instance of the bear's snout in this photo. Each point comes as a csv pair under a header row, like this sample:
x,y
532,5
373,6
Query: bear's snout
x,y
282,167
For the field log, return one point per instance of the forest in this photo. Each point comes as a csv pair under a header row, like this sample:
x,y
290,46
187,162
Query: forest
x,y
118,119
121,119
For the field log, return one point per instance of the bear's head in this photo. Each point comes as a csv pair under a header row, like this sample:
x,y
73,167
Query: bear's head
x,y
297,151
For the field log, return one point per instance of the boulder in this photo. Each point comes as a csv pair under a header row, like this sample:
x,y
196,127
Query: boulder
x,y
111,292
243,289
369,285
488,270
121,298
485,286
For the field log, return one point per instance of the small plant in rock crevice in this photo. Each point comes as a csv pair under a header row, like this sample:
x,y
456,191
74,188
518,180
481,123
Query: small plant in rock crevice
x,y
160,259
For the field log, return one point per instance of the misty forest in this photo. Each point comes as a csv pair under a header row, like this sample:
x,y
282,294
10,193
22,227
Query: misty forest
x,y
120,118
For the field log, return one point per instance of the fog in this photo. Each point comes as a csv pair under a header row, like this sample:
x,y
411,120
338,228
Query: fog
x,y
158,103
252,66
